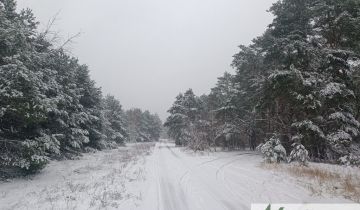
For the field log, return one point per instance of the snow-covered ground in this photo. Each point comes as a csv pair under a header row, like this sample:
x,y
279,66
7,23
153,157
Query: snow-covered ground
x,y
225,180
109,179
168,179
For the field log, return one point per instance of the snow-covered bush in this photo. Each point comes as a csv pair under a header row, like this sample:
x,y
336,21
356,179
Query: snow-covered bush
x,y
299,154
350,160
90,150
272,150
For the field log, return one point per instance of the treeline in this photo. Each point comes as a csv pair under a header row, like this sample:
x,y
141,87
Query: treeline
x,y
297,83
143,126
49,106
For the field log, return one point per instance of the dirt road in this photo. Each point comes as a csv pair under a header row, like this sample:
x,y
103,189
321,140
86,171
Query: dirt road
x,y
183,180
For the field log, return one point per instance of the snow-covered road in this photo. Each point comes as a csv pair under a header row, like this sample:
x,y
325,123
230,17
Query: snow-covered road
x,y
180,180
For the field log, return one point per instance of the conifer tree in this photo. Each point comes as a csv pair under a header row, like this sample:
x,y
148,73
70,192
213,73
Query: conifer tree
x,y
49,106
114,117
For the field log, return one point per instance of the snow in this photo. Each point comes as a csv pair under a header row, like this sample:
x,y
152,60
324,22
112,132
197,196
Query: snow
x,y
309,125
171,178
272,150
345,117
181,180
107,179
339,136
299,153
332,89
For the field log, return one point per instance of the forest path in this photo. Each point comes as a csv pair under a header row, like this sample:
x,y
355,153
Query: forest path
x,y
182,180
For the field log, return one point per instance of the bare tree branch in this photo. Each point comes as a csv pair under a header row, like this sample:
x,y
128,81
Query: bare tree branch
x,y
50,25
70,40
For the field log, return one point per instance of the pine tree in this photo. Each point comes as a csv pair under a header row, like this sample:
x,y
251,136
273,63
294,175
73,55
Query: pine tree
x,y
272,150
183,114
91,102
177,122
143,126
298,81
114,117
293,82
49,106
299,154
67,117
249,82
24,143
154,127
336,22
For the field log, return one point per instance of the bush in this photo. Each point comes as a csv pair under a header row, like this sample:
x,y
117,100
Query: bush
x,y
272,150
299,154
350,160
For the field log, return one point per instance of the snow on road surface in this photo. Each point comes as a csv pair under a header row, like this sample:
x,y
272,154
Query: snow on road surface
x,y
228,181
163,177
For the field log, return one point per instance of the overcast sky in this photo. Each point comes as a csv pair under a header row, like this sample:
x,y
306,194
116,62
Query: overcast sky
x,y
145,52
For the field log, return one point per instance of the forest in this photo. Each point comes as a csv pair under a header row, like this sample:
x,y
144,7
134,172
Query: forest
x,y
50,108
280,128
295,89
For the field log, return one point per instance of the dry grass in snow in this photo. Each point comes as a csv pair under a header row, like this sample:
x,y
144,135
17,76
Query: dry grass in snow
x,y
104,180
324,179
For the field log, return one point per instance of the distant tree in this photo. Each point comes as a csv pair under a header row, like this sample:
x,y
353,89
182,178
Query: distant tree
x,y
177,123
189,123
114,117
143,126
183,114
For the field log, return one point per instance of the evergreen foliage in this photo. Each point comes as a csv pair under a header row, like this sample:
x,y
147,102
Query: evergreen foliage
x,y
299,154
143,126
189,123
49,106
273,151
299,80
114,121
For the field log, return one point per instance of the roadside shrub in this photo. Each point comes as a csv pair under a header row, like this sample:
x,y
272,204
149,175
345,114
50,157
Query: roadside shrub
x,y
350,160
299,154
272,150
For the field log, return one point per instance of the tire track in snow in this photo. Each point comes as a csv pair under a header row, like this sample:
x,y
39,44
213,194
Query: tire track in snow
x,y
172,197
231,182
232,161
210,194
157,172
213,192
210,161
221,170
229,187
263,193
226,204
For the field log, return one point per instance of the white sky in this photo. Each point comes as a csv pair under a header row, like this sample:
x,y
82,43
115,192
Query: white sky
x,y
146,52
